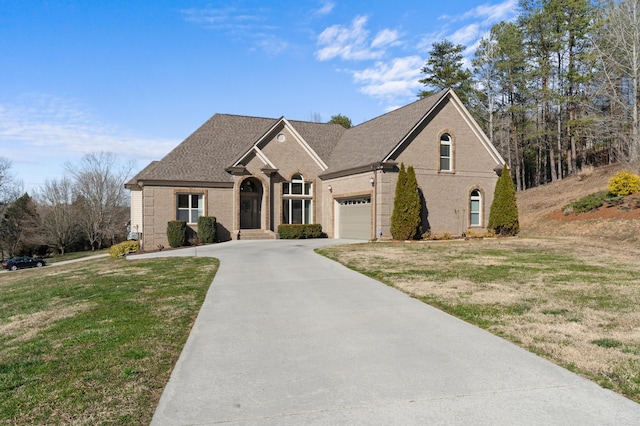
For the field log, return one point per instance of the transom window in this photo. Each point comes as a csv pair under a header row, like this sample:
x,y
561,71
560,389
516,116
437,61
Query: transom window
x,y
475,208
190,207
297,201
445,153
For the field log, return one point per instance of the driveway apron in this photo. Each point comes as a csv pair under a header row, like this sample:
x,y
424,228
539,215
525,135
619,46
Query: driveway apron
x,y
288,337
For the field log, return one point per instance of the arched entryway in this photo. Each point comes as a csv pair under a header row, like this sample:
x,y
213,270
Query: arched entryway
x,y
250,204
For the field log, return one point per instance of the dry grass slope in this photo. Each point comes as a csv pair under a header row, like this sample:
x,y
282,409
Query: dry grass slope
x,y
540,216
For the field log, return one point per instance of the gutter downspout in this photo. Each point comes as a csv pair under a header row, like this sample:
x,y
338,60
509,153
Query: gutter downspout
x,y
375,204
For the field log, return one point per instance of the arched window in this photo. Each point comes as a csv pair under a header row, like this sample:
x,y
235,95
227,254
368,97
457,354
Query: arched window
x,y
475,208
446,164
297,201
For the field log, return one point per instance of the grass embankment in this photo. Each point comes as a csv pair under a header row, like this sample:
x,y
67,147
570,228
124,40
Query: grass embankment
x,y
95,342
572,302
75,255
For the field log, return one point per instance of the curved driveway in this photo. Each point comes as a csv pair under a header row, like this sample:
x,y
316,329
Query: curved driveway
x,y
287,337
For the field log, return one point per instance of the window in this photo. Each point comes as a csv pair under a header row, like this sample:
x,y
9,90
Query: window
x,y
445,153
297,201
190,207
475,208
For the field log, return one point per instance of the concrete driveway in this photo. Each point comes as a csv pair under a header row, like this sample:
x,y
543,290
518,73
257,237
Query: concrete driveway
x,y
287,337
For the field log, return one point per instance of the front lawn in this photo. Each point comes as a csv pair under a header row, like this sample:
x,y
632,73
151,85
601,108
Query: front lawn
x,y
573,301
95,342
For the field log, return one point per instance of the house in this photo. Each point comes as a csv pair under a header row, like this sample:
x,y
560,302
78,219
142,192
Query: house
x,y
254,174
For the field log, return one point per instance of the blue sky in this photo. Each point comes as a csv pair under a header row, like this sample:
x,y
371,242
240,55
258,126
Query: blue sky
x,y
137,77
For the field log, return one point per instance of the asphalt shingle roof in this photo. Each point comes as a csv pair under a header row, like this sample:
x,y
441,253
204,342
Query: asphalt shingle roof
x,y
321,137
204,155
224,138
373,140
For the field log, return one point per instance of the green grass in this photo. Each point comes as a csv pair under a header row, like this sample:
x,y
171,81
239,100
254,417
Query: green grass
x,y
542,295
94,342
607,343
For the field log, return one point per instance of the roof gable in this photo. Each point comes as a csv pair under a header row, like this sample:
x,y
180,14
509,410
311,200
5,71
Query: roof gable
x,y
316,139
372,141
205,154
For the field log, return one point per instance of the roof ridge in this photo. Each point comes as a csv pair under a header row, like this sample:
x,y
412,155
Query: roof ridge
x,y
247,116
438,94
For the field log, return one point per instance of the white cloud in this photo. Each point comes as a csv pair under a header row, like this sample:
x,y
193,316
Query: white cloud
x,y
494,13
224,18
391,81
394,78
251,25
352,43
53,127
479,21
386,38
325,8
272,45
466,35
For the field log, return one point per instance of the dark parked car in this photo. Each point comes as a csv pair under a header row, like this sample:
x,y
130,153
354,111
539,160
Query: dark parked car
x,y
23,262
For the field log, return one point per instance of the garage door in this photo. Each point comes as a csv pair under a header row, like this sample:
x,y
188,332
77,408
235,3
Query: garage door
x,y
354,218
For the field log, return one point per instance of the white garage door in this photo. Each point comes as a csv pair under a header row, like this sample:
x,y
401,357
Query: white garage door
x,y
354,218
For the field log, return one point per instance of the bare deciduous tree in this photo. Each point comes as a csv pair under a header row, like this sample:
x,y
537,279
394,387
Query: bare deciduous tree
x,y
618,46
100,196
59,219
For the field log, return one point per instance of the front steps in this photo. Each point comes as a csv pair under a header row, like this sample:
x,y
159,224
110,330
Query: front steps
x,y
257,234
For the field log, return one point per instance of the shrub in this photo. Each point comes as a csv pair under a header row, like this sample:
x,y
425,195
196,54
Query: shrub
x,y
297,232
123,248
207,229
586,172
177,233
405,219
624,183
586,204
445,236
503,217
592,202
471,234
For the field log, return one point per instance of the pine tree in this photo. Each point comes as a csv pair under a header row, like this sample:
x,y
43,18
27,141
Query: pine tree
x,y
445,69
503,218
405,219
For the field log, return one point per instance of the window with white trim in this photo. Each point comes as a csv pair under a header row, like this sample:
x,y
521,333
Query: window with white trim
x,y
189,207
475,208
445,153
297,201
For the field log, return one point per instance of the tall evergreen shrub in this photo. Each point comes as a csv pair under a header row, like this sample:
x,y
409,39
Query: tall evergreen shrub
x,y
503,218
177,233
405,219
207,229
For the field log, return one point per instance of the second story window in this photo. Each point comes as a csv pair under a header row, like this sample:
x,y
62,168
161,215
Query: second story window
x,y
446,164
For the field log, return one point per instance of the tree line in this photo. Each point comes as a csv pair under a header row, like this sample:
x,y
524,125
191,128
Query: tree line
x,y
87,209
555,90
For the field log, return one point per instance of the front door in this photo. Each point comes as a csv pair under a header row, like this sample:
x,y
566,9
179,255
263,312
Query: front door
x,y
250,204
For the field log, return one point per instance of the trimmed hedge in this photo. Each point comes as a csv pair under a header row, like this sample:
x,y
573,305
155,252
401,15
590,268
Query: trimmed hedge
x,y
177,233
207,229
297,232
123,248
